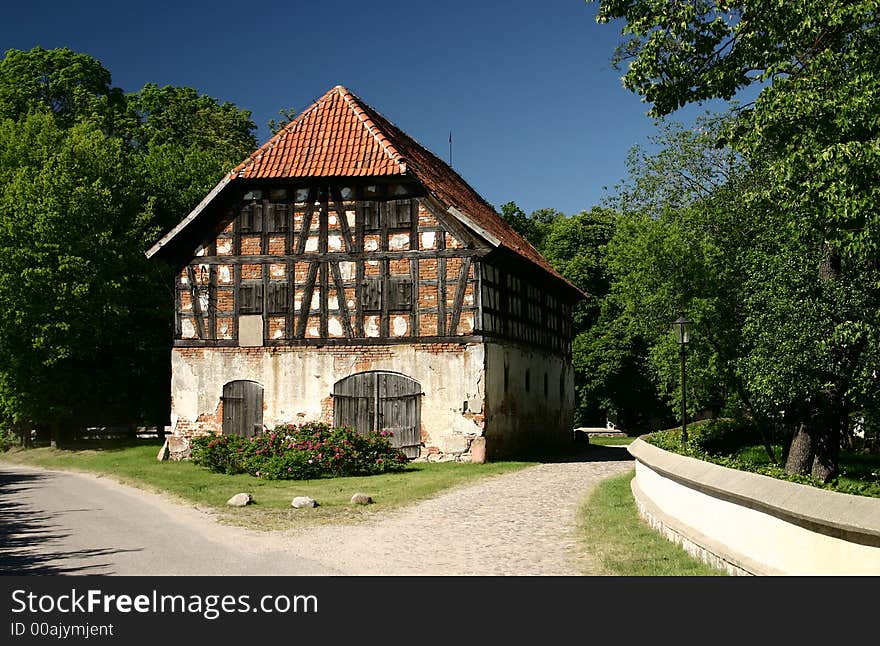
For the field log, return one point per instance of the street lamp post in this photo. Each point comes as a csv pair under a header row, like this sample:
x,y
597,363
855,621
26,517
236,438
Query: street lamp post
x,y
681,328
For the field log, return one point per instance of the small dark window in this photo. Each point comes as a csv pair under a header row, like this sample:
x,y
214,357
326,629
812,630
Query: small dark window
x,y
346,192
278,194
251,219
302,194
400,293
370,215
277,298
371,294
250,298
253,195
528,380
398,213
278,217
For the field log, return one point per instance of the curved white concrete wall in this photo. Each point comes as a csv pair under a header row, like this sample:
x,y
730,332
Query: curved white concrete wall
x,y
754,524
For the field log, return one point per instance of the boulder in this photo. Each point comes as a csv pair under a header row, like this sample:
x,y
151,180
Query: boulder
x,y
303,501
361,499
239,500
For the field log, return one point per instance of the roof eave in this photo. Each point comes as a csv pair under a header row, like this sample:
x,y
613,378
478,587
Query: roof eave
x,y
183,224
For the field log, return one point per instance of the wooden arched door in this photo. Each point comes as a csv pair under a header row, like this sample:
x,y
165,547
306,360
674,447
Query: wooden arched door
x,y
381,401
242,408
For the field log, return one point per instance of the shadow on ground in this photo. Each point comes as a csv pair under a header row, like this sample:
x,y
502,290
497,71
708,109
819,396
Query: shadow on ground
x,y
583,452
31,539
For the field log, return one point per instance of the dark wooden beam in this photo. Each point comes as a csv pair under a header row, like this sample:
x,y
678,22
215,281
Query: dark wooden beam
x,y
340,297
306,227
196,304
306,305
343,220
340,256
459,295
294,343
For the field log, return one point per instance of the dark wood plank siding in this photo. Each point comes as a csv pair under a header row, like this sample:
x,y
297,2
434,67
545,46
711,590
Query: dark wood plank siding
x,y
381,401
242,408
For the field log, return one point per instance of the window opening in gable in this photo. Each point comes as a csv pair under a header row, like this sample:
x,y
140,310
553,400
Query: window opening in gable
x,y
277,300
371,294
279,218
400,290
250,298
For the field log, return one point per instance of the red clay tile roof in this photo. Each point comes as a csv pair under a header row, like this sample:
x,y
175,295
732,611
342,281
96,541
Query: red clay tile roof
x,y
341,136
334,137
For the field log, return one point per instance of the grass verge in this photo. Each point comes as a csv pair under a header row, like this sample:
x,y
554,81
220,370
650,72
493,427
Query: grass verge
x,y
134,463
612,441
611,529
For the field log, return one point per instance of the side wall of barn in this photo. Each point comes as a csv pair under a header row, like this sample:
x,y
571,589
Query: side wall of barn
x,y
298,385
529,399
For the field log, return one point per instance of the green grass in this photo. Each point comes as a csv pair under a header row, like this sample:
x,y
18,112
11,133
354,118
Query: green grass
x,y
135,463
611,441
610,529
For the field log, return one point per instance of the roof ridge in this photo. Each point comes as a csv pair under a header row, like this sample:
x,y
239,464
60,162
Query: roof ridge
x,y
282,134
357,106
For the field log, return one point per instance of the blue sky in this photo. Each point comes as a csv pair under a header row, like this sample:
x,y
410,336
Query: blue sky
x,y
537,112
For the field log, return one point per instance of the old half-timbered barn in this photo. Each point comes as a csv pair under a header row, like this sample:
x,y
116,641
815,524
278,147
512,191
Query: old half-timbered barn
x,y
344,273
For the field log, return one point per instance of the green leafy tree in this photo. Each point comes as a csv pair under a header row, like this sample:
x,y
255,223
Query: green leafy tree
x,y
276,125
89,178
187,142
81,314
70,85
813,133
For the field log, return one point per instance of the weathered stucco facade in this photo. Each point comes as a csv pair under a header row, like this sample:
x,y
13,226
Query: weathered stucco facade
x,y
345,274
299,385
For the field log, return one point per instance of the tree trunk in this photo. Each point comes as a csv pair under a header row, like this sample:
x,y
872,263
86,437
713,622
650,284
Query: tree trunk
x,y
800,452
24,434
827,448
55,435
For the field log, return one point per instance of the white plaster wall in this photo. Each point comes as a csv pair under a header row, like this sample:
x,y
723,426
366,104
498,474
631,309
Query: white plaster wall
x,y
517,418
298,381
758,536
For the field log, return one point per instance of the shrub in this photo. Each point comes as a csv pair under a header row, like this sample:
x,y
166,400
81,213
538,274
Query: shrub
x,y
220,453
301,452
8,438
732,444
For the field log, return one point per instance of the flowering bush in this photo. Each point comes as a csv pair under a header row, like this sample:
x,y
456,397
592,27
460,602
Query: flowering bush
x,y
300,452
220,453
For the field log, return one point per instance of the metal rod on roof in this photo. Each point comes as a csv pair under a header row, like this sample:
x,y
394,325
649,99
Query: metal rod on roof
x,y
450,148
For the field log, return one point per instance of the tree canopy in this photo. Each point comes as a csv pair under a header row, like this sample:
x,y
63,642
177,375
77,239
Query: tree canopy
x,y
89,178
810,140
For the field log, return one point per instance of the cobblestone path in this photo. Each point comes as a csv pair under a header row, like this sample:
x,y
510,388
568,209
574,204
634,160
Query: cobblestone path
x,y
520,523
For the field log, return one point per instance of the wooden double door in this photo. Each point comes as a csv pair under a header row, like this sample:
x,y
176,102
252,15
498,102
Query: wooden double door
x,y
381,401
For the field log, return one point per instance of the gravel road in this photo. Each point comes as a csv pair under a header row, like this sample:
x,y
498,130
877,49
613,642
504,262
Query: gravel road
x,y
520,523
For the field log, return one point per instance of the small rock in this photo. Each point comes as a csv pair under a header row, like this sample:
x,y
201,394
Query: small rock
x,y
239,500
447,457
465,457
303,501
361,499
434,457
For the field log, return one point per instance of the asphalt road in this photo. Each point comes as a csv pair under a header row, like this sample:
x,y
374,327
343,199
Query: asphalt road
x,y
62,523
